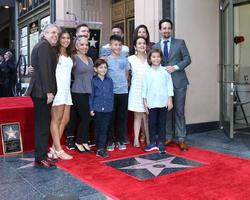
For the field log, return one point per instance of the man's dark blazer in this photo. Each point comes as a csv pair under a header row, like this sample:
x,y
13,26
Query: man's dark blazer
x,y
44,61
178,55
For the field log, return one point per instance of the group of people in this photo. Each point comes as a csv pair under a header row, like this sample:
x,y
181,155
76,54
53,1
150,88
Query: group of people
x,y
8,74
148,79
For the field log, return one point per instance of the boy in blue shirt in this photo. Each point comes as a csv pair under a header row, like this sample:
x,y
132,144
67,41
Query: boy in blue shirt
x,y
101,104
118,71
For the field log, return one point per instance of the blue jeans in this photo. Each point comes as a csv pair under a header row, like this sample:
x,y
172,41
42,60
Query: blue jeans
x,y
157,124
102,120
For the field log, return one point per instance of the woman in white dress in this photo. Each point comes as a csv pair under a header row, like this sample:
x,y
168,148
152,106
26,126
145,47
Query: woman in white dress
x,y
138,63
60,111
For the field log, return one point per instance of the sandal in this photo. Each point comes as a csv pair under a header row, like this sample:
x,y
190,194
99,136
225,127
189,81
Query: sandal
x,y
136,145
63,155
143,138
52,154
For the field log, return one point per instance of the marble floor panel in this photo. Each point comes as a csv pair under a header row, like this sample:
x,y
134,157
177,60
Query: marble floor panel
x,y
20,179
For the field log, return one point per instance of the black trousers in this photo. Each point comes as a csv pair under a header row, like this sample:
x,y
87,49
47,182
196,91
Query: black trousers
x,y
42,127
157,124
81,104
102,120
119,120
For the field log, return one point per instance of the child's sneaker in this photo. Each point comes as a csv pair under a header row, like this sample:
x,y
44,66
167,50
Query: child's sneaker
x,y
111,147
121,146
151,147
161,148
102,153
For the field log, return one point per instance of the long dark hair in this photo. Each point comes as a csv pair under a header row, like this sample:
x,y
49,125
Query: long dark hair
x,y
135,36
69,49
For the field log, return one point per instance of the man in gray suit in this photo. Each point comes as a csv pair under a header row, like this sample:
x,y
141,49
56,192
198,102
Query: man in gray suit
x,y
175,58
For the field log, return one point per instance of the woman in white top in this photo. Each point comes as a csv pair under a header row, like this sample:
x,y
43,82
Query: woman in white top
x,y
60,111
138,64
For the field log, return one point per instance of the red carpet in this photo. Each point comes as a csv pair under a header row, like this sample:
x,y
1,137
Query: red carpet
x,y
220,178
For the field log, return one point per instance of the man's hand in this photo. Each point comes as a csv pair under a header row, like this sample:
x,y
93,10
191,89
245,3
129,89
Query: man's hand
x,y
50,98
170,69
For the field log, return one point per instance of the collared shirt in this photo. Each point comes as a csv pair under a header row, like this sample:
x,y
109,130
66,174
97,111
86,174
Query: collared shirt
x,y
157,86
101,98
117,71
169,44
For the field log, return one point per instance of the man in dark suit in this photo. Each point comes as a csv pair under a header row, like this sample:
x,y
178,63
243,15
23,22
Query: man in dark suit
x,y
176,58
42,89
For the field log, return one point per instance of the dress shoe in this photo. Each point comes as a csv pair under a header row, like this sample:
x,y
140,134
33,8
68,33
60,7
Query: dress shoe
x,y
45,164
183,146
168,142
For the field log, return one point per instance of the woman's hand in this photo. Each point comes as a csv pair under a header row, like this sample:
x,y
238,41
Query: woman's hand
x,y
145,106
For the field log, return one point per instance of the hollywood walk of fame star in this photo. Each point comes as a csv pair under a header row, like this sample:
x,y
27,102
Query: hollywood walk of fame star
x,y
92,42
11,133
31,164
156,166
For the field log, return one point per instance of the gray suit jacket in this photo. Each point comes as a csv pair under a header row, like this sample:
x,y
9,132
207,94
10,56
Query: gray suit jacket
x,y
178,55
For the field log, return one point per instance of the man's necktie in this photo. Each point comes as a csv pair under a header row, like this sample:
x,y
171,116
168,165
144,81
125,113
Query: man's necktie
x,y
166,49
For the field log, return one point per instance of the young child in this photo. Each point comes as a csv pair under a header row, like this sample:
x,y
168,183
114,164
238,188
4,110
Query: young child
x,y
118,72
101,104
157,92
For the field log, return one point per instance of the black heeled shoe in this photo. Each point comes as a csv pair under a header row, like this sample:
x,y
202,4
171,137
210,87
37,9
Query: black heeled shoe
x,y
80,148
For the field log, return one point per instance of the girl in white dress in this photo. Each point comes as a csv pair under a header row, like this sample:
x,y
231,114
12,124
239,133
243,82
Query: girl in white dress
x,y
60,111
138,64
